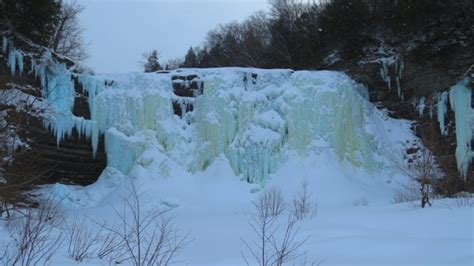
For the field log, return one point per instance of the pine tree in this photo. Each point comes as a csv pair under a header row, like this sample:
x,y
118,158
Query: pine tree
x,y
152,63
190,60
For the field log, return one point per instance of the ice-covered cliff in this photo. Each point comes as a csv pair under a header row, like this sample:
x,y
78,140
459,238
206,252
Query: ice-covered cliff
x,y
252,116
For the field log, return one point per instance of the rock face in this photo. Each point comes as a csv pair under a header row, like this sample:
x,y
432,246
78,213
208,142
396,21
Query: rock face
x,y
40,159
422,72
185,88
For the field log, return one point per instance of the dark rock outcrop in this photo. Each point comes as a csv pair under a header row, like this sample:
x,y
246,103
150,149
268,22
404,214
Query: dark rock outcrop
x,y
427,71
185,87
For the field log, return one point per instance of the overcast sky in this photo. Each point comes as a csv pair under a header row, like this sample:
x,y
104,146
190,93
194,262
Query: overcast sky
x,y
119,31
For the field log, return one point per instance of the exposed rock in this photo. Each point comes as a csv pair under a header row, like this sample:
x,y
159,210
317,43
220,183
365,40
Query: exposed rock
x,y
42,160
185,88
426,72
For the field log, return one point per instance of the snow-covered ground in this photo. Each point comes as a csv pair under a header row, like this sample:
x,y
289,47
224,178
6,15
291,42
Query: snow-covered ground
x,y
356,221
285,129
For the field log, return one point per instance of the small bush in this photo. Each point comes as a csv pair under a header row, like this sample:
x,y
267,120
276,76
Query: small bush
x,y
34,238
82,239
464,201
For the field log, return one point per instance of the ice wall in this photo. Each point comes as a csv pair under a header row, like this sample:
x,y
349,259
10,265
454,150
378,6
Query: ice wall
x,y
251,116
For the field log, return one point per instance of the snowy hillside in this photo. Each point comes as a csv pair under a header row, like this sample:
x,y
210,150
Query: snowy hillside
x,y
250,131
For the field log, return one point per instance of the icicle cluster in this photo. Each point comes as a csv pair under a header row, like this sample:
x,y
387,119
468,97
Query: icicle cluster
x,y
252,126
397,62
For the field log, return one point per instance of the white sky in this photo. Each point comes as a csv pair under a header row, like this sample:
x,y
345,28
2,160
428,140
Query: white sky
x,y
119,31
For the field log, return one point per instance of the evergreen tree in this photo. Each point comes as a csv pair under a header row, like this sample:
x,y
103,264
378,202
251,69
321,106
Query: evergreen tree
x,y
152,63
190,60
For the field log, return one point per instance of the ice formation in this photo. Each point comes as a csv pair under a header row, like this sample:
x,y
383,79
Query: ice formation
x,y
250,122
421,106
460,101
397,62
15,60
442,109
4,44
384,73
251,116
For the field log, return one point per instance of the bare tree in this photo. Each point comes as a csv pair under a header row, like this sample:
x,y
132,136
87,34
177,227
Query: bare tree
x,y
173,63
67,38
263,225
149,238
34,237
275,201
269,249
287,249
303,205
424,173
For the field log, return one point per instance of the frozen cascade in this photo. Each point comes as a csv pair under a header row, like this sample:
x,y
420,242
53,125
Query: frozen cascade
x,y
460,101
251,121
397,62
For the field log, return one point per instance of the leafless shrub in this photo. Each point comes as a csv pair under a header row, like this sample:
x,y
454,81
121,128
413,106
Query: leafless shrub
x,y
464,201
303,205
34,239
424,173
361,202
268,249
109,245
148,238
4,254
406,194
82,239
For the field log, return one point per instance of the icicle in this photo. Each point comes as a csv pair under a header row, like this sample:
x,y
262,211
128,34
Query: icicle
x,y
20,63
12,61
460,100
384,73
421,106
442,110
4,44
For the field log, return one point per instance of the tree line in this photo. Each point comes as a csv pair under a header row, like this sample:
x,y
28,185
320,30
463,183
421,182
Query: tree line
x,y
51,23
301,35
